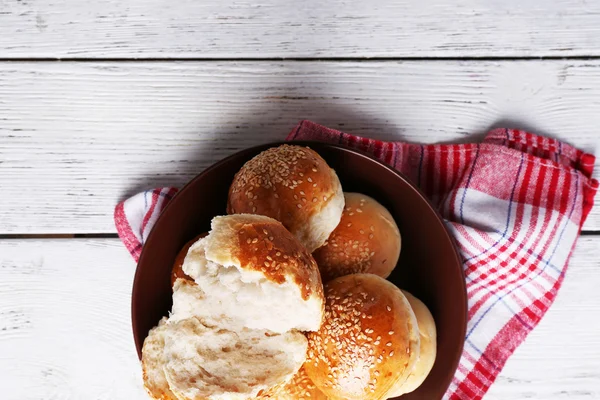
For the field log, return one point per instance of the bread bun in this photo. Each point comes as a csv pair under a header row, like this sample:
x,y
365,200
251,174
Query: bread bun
x,y
294,185
153,361
428,349
369,339
367,240
177,270
300,387
250,272
206,362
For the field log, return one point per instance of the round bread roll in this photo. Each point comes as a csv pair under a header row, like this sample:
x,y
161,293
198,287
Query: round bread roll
x,y
294,185
428,349
250,272
300,387
369,339
177,270
367,240
153,361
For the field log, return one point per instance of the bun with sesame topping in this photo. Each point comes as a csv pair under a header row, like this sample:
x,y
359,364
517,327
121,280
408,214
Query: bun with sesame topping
x,y
293,185
250,272
427,332
243,296
300,387
369,339
367,240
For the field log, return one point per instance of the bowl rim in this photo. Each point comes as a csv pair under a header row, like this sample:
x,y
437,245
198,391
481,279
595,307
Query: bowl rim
x,y
309,143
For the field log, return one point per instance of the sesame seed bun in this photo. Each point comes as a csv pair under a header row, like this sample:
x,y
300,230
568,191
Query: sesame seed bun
x,y
300,387
294,185
427,355
369,339
177,270
367,240
250,272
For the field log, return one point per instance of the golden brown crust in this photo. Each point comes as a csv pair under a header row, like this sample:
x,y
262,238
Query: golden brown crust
x,y
300,387
367,240
368,340
177,270
428,348
287,183
268,247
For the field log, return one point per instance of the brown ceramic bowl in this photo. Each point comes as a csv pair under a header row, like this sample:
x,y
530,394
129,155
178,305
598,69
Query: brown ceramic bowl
x,y
429,265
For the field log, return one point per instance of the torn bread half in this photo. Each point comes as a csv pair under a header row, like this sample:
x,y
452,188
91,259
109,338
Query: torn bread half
x,y
250,272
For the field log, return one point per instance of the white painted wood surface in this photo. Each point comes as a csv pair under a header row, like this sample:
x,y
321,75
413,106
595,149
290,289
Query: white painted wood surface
x,y
75,138
311,28
65,327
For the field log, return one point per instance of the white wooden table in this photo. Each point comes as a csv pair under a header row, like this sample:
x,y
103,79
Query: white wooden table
x,y
99,99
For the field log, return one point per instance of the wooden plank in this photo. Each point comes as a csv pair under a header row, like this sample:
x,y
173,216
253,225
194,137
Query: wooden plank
x,y
279,28
75,138
65,328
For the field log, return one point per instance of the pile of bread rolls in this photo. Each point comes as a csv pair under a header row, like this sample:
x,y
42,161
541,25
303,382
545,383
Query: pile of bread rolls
x,y
251,318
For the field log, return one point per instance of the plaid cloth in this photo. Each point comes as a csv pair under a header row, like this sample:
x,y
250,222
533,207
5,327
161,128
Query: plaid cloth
x,y
515,204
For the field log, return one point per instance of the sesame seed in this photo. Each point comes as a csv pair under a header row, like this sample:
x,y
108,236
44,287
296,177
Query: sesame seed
x,y
314,170
314,185
314,199
392,353
310,179
358,210
372,228
255,240
349,224
248,240
391,332
299,205
371,236
253,209
389,344
388,308
324,198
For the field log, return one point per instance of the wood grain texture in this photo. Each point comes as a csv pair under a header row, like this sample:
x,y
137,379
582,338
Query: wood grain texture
x,y
282,28
65,327
75,138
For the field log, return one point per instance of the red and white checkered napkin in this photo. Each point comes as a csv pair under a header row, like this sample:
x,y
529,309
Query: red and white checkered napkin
x,y
515,204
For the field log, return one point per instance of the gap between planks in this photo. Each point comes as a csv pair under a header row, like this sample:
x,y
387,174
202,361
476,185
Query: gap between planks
x,y
297,59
